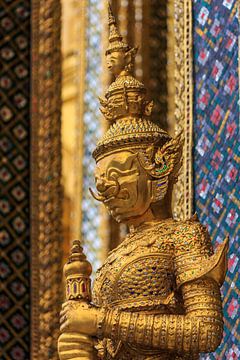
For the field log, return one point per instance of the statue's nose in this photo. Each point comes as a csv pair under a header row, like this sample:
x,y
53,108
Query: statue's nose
x,y
101,185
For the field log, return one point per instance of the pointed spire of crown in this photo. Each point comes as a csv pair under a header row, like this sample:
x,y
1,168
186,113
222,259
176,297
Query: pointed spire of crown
x,y
125,105
116,42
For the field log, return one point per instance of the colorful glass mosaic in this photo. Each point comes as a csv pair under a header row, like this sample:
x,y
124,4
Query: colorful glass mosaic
x,y
216,153
14,180
92,129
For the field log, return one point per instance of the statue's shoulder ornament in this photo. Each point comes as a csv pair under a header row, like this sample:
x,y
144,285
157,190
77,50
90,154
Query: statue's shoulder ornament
x,y
194,256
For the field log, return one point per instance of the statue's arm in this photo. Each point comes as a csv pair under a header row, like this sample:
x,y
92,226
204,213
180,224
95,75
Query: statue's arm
x,y
199,330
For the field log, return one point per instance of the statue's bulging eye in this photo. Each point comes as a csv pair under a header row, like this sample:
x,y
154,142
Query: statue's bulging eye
x,y
113,174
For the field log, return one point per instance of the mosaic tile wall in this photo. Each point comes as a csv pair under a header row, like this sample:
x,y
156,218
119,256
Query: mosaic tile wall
x,y
14,180
216,153
92,132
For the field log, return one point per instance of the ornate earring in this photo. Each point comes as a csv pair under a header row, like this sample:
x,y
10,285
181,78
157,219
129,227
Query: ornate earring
x,y
159,188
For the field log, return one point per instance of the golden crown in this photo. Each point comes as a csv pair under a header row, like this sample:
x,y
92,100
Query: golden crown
x,y
125,105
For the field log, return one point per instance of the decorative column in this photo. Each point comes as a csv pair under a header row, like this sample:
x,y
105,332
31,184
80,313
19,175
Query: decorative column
x,y
46,191
15,45
183,63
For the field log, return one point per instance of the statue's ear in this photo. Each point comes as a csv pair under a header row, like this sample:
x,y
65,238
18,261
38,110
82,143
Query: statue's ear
x,y
146,158
172,152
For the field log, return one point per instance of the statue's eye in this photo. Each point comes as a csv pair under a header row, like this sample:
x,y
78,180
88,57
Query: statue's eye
x,y
113,174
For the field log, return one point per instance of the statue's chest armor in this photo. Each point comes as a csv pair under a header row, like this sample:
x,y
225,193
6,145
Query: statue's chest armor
x,y
139,273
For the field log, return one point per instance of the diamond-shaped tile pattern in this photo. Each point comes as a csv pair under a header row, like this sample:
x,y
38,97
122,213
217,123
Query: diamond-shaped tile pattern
x,y
90,210
14,179
216,153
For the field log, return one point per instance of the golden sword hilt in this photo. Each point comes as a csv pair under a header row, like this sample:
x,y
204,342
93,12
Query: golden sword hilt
x,y
77,272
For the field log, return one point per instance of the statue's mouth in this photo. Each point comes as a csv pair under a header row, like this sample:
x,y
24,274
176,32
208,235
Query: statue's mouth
x,y
108,195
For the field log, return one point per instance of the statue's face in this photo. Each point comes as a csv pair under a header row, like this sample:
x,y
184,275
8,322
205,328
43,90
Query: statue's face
x,y
116,62
123,186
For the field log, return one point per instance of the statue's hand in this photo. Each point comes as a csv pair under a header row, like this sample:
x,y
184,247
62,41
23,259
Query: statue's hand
x,y
76,346
79,317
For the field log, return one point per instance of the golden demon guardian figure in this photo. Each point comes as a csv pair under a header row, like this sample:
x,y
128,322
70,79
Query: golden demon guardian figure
x,y
157,295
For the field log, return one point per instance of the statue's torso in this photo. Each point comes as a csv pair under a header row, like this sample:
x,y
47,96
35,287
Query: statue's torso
x,y
139,276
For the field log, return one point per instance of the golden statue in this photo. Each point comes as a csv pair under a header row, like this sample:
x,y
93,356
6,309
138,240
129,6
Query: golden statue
x,y
157,296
